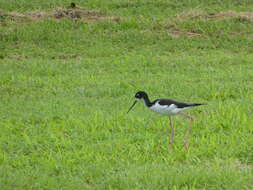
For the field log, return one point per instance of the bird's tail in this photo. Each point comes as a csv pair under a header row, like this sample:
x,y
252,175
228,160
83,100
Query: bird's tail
x,y
197,104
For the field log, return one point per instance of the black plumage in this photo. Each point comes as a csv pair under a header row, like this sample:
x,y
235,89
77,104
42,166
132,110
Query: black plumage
x,y
168,102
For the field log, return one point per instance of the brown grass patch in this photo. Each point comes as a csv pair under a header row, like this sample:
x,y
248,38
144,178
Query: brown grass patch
x,y
76,13
191,14
174,30
178,33
198,14
242,166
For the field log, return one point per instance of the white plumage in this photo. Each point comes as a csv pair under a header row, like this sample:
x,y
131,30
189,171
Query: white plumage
x,y
165,109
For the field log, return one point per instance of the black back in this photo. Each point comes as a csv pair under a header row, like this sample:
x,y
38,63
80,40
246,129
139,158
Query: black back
x,y
168,102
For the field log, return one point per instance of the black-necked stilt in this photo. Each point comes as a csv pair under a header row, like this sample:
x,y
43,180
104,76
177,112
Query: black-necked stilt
x,y
167,107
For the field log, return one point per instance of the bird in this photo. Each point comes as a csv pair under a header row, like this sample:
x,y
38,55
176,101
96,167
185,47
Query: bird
x,y
168,107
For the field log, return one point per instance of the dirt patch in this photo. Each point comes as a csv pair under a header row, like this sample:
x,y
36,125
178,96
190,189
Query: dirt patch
x,y
174,30
16,57
198,14
178,33
72,56
242,166
33,15
233,14
89,15
191,14
73,12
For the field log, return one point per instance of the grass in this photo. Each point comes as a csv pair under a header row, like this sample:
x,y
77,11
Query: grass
x,y
67,83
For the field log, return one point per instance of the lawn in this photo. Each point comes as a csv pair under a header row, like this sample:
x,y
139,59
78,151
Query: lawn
x,y
69,75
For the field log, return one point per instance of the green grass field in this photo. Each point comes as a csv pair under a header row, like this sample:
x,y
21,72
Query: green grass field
x,y
68,76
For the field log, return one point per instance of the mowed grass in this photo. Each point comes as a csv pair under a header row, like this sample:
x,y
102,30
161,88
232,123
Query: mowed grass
x,y
66,84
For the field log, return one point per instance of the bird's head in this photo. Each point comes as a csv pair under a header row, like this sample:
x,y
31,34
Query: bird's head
x,y
139,96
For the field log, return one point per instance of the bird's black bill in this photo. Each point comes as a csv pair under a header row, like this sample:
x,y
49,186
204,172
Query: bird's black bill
x,y
132,106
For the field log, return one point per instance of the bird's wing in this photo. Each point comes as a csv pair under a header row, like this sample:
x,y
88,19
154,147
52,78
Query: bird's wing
x,y
169,102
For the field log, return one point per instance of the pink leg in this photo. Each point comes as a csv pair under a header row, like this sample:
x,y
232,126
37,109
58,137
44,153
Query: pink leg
x,y
186,139
172,131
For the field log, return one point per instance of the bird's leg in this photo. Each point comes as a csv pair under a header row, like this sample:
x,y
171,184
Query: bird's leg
x,y
171,138
172,131
186,139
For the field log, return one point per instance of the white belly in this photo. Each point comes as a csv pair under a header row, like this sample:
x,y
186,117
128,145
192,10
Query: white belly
x,y
166,110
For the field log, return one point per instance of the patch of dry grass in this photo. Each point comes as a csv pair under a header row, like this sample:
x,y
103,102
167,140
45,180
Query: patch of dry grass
x,y
176,33
88,16
175,30
199,14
